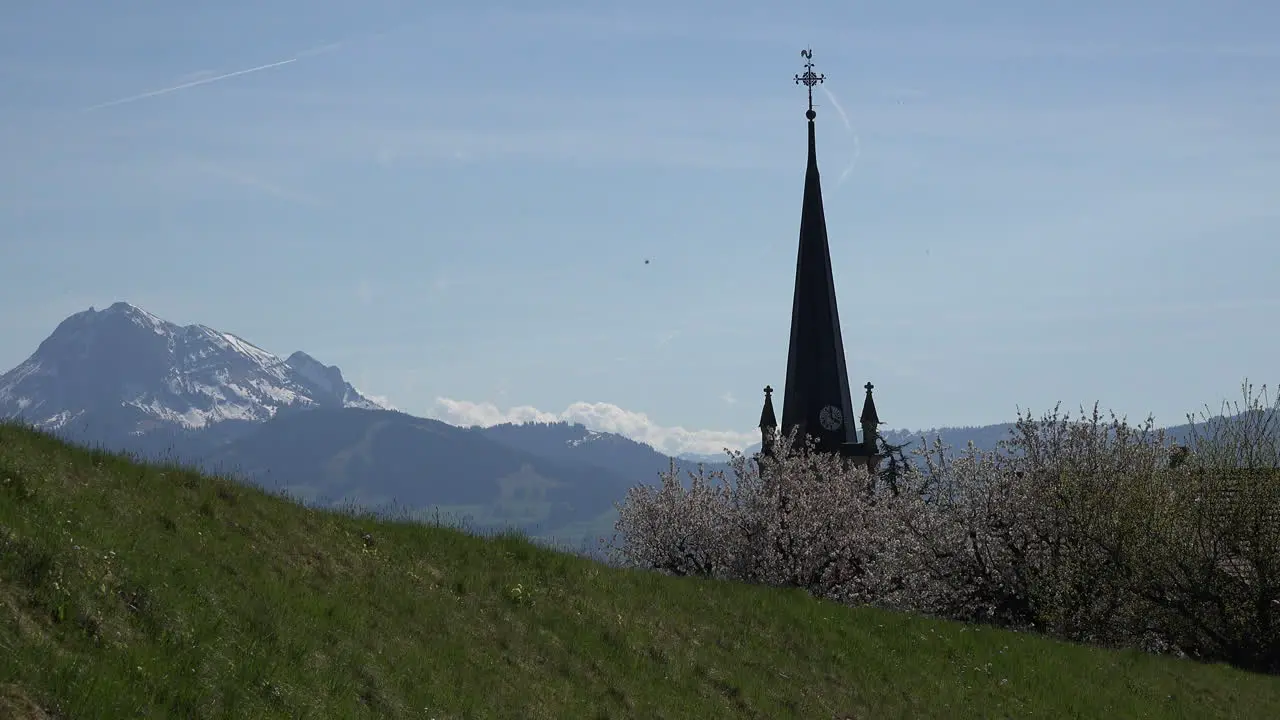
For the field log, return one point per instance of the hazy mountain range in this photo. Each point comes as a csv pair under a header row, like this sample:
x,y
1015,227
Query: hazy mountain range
x,y
125,379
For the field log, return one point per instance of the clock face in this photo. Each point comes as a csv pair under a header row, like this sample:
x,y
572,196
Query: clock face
x,y
831,417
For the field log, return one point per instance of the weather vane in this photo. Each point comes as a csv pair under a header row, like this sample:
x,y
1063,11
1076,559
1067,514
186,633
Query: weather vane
x,y
809,79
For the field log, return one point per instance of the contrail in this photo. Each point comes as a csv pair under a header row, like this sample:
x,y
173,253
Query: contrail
x,y
857,144
193,83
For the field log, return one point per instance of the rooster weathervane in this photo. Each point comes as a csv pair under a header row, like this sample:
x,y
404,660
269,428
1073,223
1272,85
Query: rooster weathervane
x,y
809,78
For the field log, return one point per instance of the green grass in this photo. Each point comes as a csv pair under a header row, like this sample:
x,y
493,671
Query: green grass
x,y
129,590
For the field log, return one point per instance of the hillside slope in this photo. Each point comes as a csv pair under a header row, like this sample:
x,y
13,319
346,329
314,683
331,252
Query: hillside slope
x,y
574,443
375,458
145,591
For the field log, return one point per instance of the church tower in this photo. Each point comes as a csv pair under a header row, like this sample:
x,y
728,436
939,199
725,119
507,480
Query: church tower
x,y
816,398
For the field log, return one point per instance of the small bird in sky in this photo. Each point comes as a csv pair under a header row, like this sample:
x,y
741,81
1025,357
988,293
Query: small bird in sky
x,y
646,261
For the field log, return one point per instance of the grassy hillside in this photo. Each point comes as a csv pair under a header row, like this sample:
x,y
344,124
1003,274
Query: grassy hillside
x,y
145,591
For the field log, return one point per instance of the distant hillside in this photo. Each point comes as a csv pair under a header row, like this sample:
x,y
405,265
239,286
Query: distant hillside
x,y
575,443
129,590
983,437
376,458
987,437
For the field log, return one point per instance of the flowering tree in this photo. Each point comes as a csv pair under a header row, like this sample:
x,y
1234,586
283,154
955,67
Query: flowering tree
x,y
1079,528
1211,575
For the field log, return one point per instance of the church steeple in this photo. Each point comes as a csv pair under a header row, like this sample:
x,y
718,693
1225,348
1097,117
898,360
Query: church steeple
x,y
817,391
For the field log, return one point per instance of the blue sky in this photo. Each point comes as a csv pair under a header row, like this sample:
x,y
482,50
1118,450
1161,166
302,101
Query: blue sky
x,y
1040,202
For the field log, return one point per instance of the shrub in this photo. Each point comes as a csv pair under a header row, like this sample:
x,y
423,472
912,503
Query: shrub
x,y
1088,530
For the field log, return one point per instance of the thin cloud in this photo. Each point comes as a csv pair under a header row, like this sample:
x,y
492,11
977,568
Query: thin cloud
x,y
1013,41
196,76
609,24
857,142
184,86
322,49
245,179
364,291
382,400
601,417
201,77
443,282
1101,50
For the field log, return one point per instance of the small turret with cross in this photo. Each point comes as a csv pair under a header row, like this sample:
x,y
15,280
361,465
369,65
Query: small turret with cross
x,y
768,422
870,422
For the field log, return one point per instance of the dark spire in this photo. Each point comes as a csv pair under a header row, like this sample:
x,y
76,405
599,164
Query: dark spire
x,y
817,392
869,415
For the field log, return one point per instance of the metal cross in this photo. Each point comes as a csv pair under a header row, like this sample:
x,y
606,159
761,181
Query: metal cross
x,y
809,78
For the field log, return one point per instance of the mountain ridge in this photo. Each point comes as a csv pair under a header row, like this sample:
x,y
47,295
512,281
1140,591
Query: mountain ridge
x,y
127,371
124,379
384,458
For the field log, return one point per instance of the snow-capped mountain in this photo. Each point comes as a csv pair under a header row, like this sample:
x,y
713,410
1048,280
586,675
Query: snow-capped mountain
x,y
328,380
135,372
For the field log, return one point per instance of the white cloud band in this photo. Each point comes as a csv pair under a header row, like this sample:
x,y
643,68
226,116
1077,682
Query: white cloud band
x,y
601,417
